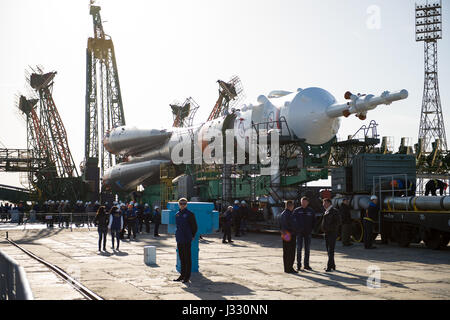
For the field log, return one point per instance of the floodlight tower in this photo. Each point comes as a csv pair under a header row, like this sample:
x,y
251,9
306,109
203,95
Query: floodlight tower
x,y
429,30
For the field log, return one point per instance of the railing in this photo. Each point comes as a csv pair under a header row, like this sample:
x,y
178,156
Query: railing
x,y
13,282
50,219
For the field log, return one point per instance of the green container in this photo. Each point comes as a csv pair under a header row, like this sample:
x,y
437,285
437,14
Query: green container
x,y
366,166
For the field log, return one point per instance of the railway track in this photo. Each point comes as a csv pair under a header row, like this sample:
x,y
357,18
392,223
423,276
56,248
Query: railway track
x,y
85,292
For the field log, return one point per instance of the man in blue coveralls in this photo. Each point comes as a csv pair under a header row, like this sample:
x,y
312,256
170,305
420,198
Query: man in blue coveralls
x,y
185,233
304,220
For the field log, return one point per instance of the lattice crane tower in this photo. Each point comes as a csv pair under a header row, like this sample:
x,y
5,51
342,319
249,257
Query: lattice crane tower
x,y
104,106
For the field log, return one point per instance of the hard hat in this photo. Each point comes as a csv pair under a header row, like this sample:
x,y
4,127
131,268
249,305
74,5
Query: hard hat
x,y
146,205
156,207
373,198
243,202
236,201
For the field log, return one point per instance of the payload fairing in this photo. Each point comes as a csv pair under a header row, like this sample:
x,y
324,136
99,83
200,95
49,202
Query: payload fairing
x,y
312,114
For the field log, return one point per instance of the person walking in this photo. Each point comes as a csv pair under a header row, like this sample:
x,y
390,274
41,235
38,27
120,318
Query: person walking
x,y
185,233
288,235
369,220
346,218
157,221
226,224
304,219
115,225
330,224
101,221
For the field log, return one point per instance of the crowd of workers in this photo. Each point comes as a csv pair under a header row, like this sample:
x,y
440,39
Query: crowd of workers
x,y
125,217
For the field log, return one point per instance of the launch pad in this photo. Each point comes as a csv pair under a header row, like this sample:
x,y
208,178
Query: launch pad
x,y
249,269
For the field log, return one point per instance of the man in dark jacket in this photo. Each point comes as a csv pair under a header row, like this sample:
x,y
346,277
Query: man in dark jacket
x,y
131,221
226,224
369,220
237,218
287,226
115,225
147,217
304,220
346,218
330,224
157,221
433,185
244,212
185,233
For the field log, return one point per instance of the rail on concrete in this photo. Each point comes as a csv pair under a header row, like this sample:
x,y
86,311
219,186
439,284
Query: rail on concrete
x,y
13,281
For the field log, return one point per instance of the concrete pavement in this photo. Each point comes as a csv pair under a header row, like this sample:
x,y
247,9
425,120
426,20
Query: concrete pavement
x,y
250,268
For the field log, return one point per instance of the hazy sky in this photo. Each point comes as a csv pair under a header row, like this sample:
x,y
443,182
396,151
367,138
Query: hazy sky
x,y
174,49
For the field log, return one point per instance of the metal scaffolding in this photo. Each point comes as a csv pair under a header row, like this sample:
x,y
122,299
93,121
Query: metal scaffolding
x,y
104,106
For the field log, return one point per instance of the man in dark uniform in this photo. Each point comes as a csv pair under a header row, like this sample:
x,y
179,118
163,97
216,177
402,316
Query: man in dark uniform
x,y
147,217
131,221
330,224
304,219
226,225
346,217
237,218
433,185
115,225
371,217
185,233
287,225
123,212
244,213
140,218
156,221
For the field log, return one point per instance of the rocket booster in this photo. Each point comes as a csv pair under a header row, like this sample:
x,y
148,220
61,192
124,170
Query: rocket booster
x,y
312,114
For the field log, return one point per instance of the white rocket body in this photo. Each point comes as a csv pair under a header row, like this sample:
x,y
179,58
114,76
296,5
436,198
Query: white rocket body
x,y
311,114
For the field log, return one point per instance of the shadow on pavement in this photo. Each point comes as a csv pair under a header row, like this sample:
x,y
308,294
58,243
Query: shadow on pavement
x,y
206,289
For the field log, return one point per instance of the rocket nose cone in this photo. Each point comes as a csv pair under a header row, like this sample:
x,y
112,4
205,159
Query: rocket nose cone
x,y
306,116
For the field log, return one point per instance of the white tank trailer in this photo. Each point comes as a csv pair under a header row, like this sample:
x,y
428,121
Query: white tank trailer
x,y
312,114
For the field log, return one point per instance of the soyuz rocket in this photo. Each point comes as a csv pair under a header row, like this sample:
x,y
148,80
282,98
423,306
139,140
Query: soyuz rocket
x,y
312,114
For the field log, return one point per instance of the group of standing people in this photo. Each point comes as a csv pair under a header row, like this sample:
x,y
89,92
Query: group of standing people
x,y
7,211
122,217
297,226
237,216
